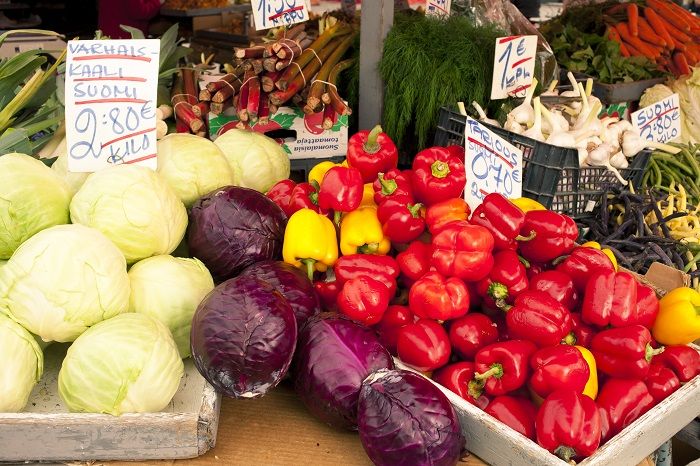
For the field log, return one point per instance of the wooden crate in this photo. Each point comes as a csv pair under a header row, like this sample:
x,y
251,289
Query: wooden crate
x,y
46,431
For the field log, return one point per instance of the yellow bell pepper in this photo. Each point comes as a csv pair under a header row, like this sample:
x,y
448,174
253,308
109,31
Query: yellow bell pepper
x,y
368,196
606,251
319,171
678,322
526,204
591,388
361,232
310,242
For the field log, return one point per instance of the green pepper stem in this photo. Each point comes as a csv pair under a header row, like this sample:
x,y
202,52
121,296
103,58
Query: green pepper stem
x,y
372,146
439,169
388,186
414,209
650,352
337,217
524,261
315,184
565,453
475,388
569,339
529,237
559,260
369,248
495,371
309,263
313,197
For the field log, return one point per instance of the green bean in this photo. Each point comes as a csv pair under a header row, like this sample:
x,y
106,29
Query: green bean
x,y
693,163
671,160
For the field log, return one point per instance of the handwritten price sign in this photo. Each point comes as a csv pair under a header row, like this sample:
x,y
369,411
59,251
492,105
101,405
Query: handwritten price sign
x,y
438,7
275,13
493,165
514,65
659,122
111,93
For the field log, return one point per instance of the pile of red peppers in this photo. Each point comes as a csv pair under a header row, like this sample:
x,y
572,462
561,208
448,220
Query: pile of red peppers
x,y
499,305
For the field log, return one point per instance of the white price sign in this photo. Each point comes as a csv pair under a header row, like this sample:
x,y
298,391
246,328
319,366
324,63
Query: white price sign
x,y
513,66
275,13
438,7
493,165
659,122
111,95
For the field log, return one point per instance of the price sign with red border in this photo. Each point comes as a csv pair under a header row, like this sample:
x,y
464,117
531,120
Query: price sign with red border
x,y
513,66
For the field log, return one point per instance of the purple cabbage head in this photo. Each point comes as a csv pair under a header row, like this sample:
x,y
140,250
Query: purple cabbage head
x,y
334,355
404,419
292,283
233,227
243,337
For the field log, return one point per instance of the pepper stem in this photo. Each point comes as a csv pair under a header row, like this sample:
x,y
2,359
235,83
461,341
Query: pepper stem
x,y
414,209
388,186
314,184
559,260
309,263
313,197
524,261
337,217
475,388
440,169
372,146
369,248
650,352
570,339
495,371
529,237
565,453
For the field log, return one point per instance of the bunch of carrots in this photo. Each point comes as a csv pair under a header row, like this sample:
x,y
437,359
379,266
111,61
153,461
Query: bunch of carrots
x,y
660,30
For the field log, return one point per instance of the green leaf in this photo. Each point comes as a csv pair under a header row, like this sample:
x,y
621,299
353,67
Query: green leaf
x,y
285,120
168,43
135,33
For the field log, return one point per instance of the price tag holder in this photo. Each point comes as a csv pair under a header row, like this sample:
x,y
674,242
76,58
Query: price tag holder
x,y
111,95
492,164
438,7
513,66
275,13
659,122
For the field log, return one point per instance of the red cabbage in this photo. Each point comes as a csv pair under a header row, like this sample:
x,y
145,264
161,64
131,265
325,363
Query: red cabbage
x,y
233,227
405,420
243,337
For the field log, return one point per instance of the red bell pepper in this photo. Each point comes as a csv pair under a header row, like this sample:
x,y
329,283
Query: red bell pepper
x,y
558,367
661,382
537,268
684,361
280,194
569,425
455,377
517,413
502,218
437,216
341,190
470,333
581,263
501,367
394,184
558,285
620,402
328,292
456,151
414,261
401,222
435,297
438,175
382,268
583,332
507,279
647,305
364,299
372,152
423,345
395,317
624,352
610,299
464,251
554,235
304,196
539,318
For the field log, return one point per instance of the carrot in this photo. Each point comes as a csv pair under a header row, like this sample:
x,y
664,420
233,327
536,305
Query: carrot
x,y
692,20
635,42
648,34
669,15
633,18
691,57
677,34
681,62
632,51
658,25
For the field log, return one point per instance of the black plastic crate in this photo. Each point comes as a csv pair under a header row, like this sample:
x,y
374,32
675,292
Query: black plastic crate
x,y
551,174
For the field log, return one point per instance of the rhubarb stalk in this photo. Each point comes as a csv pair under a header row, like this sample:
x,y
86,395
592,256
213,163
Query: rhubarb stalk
x,y
182,108
333,79
313,102
253,105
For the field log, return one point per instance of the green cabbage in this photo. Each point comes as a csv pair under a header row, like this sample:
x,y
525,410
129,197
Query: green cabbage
x,y
63,280
170,289
134,207
257,159
193,166
32,198
127,364
73,179
20,367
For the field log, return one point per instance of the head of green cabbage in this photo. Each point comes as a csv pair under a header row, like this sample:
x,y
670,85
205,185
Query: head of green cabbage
x,y
32,198
126,364
170,289
20,367
63,280
74,180
134,207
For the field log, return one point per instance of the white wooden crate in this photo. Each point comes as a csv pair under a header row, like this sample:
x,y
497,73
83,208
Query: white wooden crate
x,y
46,431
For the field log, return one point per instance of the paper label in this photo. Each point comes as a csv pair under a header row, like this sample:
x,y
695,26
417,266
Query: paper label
x,y
275,13
438,7
493,165
513,66
659,122
111,94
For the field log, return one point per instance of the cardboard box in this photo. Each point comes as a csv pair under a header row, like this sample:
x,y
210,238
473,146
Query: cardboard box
x,y
300,135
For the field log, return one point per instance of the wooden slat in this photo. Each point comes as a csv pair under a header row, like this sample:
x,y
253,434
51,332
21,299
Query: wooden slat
x,y
377,18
